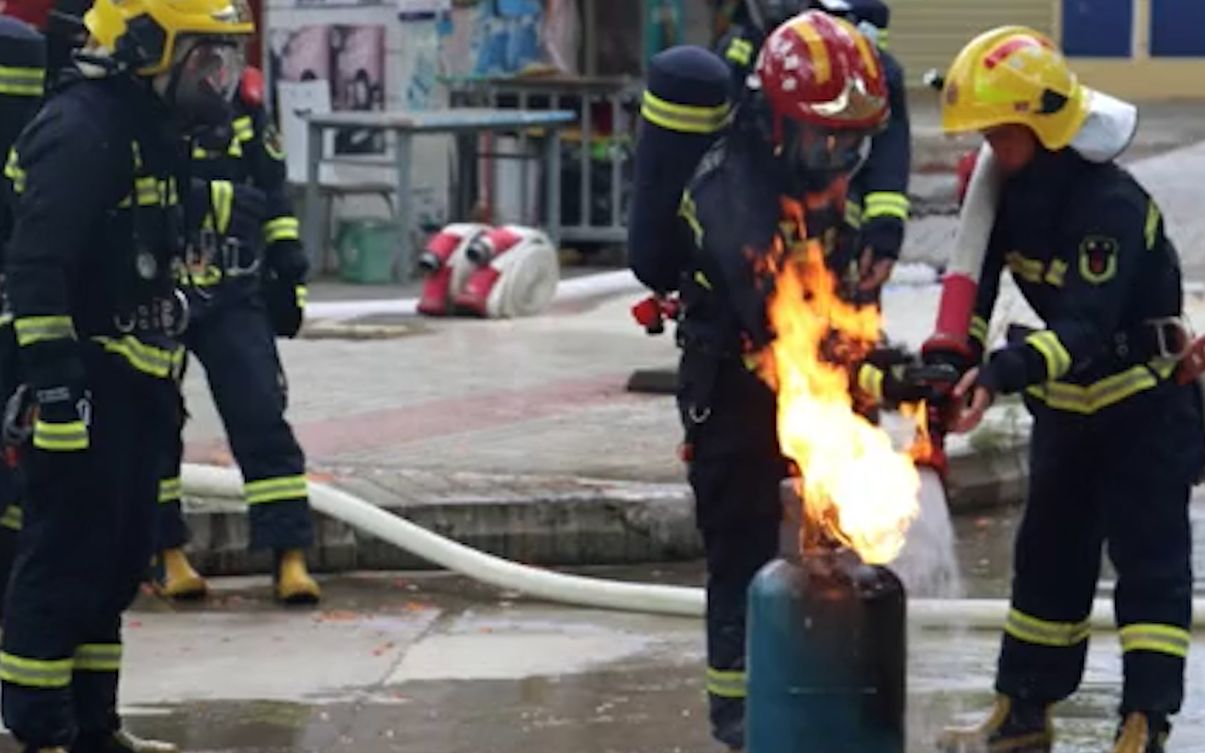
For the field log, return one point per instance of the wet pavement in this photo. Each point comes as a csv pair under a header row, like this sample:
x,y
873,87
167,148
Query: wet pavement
x,y
432,663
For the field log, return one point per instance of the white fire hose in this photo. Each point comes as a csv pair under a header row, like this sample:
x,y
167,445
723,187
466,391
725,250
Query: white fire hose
x,y
214,482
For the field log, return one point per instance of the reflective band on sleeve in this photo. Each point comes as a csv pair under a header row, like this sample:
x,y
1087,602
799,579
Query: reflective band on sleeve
x,y
1058,360
683,118
282,229
98,657
726,683
1030,629
870,380
171,489
886,204
22,82
35,673
979,329
275,489
853,214
71,436
1162,639
34,329
303,295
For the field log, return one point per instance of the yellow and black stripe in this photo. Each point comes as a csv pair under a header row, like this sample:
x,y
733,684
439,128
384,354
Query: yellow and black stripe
x,y
1030,629
1172,640
1086,399
279,489
726,683
1048,344
36,329
887,204
286,228
35,673
22,81
699,119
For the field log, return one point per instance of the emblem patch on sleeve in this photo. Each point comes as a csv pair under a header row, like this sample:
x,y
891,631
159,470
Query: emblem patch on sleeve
x,y
1098,259
272,142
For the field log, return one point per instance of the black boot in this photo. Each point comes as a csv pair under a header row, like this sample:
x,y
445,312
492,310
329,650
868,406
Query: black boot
x,y
1012,727
121,741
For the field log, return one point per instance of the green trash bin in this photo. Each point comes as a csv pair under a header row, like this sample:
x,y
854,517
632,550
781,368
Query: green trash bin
x,y
367,249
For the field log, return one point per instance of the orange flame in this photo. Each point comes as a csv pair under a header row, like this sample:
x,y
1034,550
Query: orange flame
x,y
854,484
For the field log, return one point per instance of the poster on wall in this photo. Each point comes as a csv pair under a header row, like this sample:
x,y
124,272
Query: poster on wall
x,y
351,59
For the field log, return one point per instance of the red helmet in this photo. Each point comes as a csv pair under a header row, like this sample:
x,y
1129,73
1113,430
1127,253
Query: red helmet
x,y
820,71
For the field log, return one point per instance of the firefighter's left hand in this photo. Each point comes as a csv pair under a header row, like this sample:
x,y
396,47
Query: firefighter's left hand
x,y
873,271
972,400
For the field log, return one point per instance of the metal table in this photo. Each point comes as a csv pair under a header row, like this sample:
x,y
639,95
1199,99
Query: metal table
x,y
405,125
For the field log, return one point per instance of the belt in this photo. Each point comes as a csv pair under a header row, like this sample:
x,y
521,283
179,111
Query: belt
x,y
228,254
158,316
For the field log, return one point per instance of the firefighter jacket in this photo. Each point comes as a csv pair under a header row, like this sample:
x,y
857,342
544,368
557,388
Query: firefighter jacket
x,y
878,205
97,230
732,217
1087,248
244,164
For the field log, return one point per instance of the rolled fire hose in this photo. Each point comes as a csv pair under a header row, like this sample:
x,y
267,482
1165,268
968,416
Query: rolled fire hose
x,y
576,590
528,281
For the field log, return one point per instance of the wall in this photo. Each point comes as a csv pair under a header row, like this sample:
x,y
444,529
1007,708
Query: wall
x,y
1157,48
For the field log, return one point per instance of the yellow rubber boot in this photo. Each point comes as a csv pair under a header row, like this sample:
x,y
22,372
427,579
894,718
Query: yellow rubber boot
x,y
1138,734
293,582
1010,728
180,580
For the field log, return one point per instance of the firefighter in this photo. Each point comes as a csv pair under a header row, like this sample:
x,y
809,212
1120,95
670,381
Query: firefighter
x,y
818,95
1116,441
877,207
241,297
89,275
22,74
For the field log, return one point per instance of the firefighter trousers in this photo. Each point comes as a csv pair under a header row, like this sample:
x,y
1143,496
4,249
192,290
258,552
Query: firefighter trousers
x,y
81,555
735,469
1120,481
237,347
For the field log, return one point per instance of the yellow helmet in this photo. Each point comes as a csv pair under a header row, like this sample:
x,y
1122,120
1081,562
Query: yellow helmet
x,y
144,33
1014,75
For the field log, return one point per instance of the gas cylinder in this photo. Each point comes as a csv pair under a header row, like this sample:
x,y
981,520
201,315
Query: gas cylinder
x,y
826,648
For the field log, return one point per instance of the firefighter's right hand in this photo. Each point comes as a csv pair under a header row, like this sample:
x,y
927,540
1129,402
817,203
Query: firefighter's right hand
x,y
972,398
61,416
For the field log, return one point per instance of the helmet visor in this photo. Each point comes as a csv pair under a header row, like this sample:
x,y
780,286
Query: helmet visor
x,y
206,78
811,149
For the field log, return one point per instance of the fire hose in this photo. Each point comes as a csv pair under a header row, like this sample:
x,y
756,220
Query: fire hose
x,y
214,482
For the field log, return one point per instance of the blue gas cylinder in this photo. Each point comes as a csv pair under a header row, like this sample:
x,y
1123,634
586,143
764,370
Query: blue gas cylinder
x,y
826,653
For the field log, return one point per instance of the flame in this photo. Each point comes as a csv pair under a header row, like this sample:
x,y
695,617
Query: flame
x,y
855,485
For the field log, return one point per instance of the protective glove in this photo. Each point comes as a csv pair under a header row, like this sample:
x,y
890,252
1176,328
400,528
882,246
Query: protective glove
x,y
890,384
285,300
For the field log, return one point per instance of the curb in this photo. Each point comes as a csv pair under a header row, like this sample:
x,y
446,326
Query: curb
x,y
548,522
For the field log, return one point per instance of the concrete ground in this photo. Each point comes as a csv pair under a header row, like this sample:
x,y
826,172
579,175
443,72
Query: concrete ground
x,y
429,663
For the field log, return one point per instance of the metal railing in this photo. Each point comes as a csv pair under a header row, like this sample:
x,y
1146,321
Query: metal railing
x,y
596,157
